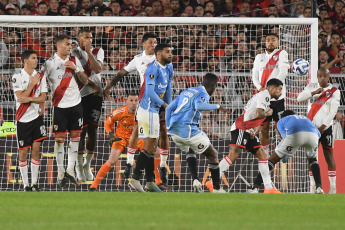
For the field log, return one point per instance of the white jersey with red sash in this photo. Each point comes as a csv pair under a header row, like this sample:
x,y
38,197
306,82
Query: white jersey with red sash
x,y
26,112
266,66
322,107
65,89
247,120
98,53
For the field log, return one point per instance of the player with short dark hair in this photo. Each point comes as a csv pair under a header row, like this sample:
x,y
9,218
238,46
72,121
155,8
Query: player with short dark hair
x,y
92,61
156,94
30,88
124,116
64,72
243,131
274,63
323,103
296,131
182,117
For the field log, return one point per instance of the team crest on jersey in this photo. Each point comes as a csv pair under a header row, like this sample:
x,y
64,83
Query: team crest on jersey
x,y
244,141
151,76
328,94
21,143
275,57
202,98
201,146
56,127
14,80
267,99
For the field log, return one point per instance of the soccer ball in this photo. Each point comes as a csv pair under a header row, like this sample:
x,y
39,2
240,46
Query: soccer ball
x,y
300,66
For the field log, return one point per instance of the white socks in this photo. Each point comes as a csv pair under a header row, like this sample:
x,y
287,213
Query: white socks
x,y
23,166
164,156
35,165
265,174
88,159
59,153
224,165
332,178
130,155
72,156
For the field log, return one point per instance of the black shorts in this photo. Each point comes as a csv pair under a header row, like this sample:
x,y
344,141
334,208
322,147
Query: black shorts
x,y
242,139
30,132
92,109
68,119
278,107
326,138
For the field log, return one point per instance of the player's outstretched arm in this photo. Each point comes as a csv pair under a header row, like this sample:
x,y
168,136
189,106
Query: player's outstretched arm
x,y
118,76
169,110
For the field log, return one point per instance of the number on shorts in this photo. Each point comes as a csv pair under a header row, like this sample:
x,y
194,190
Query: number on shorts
x,y
184,102
329,139
80,121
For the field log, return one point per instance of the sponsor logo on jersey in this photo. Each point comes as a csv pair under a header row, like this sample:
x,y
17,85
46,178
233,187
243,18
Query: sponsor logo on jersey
x,y
268,67
160,86
24,82
143,63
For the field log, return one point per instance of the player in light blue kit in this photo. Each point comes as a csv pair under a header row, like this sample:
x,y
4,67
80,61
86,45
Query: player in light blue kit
x,y
182,117
157,93
296,131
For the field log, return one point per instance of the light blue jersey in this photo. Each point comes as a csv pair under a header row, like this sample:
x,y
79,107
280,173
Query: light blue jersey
x,y
183,114
157,86
294,124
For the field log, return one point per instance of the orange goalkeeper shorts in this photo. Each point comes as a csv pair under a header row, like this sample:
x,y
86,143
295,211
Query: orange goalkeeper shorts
x,y
121,145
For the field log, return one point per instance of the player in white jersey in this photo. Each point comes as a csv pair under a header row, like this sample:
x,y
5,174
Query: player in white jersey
x,y
242,135
64,72
140,63
323,102
91,60
30,88
274,63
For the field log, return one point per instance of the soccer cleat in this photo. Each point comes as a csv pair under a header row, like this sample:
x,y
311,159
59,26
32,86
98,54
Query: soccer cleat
x,y
197,186
92,189
163,187
128,171
135,184
332,190
80,173
27,189
35,188
88,174
272,191
209,185
319,191
221,190
152,187
71,178
253,191
164,174
61,181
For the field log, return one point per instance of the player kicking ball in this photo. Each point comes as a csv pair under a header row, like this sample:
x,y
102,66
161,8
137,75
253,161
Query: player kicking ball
x,y
296,131
244,129
182,117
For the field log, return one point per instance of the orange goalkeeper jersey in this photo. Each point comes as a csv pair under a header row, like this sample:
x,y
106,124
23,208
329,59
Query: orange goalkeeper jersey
x,y
125,122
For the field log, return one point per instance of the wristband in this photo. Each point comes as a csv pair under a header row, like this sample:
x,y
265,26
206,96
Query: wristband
x,y
77,70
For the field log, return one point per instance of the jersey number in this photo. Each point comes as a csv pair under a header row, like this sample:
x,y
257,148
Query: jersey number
x,y
184,102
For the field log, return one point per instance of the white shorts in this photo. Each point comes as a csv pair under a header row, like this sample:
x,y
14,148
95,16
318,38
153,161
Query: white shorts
x,y
289,145
199,143
148,124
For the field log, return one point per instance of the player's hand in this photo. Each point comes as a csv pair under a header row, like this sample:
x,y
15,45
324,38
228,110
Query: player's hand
x,y
269,112
35,79
70,65
87,45
106,92
24,99
41,110
339,115
262,89
318,91
165,105
322,129
223,110
112,138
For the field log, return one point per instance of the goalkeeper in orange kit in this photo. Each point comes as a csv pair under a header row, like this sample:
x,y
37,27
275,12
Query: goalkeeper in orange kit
x,y
124,116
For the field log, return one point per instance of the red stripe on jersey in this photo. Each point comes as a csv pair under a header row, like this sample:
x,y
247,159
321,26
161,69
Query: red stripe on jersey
x,y
24,106
244,125
66,79
142,90
87,67
269,68
320,101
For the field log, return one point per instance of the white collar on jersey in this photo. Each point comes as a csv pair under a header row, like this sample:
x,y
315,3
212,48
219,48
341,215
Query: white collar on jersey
x,y
144,54
26,73
58,57
163,66
203,87
329,86
274,51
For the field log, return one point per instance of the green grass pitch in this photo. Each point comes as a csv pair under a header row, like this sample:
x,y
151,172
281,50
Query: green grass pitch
x,y
117,211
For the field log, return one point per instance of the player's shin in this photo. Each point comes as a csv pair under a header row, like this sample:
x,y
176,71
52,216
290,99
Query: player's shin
x,y
149,169
315,168
72,155
35,165
214,169
192,165
258,180
23,166
265,174
59,153
101,174
142,160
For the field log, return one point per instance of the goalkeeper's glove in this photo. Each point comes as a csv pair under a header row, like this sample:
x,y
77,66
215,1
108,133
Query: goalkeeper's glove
x,y
112,138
